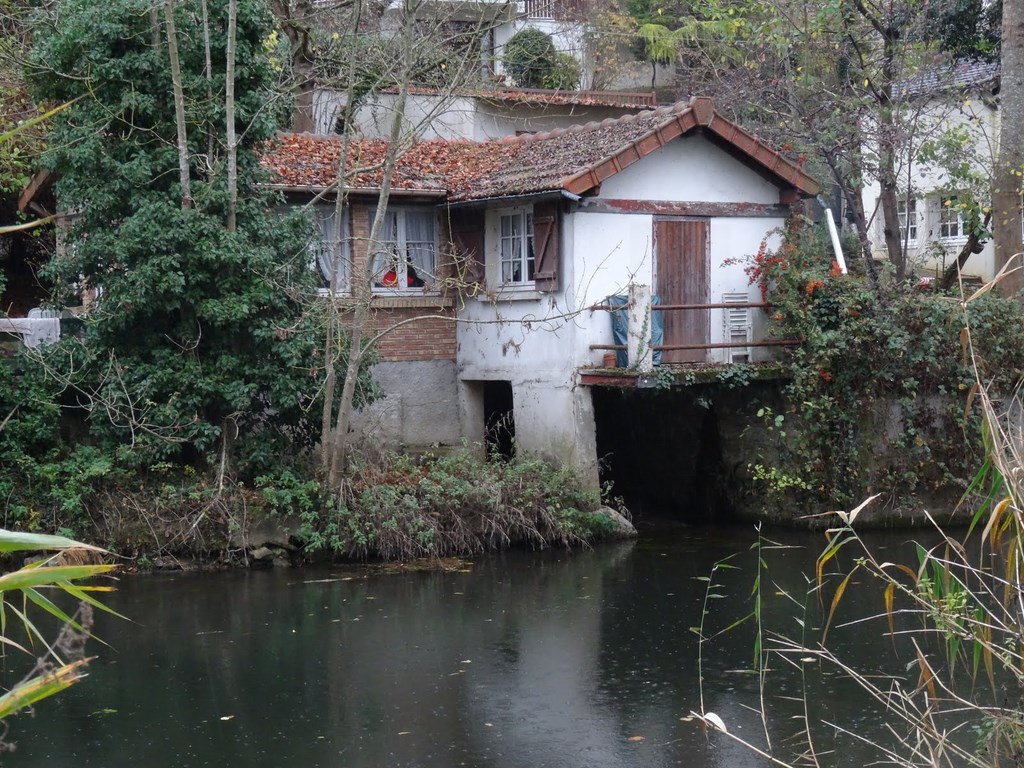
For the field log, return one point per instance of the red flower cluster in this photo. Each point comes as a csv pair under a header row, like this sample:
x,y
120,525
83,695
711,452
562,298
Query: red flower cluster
x,y
813,285
764,263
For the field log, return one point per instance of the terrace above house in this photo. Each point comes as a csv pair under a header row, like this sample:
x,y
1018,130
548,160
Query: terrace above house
x,y
478,114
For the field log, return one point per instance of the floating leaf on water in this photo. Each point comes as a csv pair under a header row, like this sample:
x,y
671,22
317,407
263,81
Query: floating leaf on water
x,y
716,721
104,711
404,733
635,738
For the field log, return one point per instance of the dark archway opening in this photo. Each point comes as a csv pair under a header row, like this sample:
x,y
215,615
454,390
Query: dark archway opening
x,y
499,421
662,452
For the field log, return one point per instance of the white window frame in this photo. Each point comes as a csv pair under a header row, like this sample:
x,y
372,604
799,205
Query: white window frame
x,y
906,213
520,247
341,251
947,212
396,244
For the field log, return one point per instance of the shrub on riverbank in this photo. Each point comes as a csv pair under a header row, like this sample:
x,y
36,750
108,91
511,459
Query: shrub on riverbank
x,y
399,507
880,399
390,507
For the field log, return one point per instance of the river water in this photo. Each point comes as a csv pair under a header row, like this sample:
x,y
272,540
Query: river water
x,y
519,660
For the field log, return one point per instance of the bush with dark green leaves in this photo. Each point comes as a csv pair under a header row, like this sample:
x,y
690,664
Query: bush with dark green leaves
x,y
529,58
198,348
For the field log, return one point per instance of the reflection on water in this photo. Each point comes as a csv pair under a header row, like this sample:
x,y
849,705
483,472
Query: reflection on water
x,y
526,660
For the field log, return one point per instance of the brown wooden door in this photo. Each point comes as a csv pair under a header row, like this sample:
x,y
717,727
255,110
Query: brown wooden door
x,y
681,252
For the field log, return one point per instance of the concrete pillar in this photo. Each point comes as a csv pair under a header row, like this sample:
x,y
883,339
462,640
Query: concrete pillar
x,y
638,341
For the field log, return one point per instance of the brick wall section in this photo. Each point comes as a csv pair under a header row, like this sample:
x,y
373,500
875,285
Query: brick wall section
x,y
425,339
432,337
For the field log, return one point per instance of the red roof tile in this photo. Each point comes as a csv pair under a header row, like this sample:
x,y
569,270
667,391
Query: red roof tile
x,y
574,159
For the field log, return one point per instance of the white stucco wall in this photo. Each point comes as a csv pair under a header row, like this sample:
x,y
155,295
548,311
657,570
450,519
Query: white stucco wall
x,y
493,120
427,116
691,169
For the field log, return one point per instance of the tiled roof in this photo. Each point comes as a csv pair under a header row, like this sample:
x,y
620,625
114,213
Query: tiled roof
x,y
546,96
574,159
960,75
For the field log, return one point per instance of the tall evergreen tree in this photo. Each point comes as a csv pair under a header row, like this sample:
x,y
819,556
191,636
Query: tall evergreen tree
x,y
197,347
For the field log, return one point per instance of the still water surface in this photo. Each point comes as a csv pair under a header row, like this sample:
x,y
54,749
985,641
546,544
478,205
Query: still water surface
x,y
524,660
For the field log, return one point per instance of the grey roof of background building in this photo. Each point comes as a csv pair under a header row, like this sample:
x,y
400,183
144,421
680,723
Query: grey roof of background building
x,y
953,76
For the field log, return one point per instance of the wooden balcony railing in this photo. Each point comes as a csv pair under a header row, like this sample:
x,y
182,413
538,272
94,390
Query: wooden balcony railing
x,y
639,348
558,10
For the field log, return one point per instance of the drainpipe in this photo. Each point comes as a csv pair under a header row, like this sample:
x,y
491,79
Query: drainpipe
x,y
638,340
834,234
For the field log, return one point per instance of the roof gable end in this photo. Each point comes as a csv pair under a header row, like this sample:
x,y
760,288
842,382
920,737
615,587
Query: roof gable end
x,y
680,120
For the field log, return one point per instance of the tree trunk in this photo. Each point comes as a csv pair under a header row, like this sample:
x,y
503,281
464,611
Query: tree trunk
x,y
973,245
888,141
334,331
1006,195
362,287
855,203
179,106
303,118
295,19
229,109
208,58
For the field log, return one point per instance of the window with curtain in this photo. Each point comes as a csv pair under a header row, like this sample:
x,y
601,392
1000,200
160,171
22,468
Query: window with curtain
x,y
332,260
516,248
406,258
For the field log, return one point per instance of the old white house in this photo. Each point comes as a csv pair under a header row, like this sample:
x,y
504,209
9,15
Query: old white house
x,y
505,248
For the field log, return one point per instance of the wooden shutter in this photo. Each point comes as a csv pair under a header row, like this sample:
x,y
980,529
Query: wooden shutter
x,y
546,238
467,228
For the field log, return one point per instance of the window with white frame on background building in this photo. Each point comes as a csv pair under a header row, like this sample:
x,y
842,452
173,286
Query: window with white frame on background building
x,y
406,256
331,256
951,221
515,238
906,210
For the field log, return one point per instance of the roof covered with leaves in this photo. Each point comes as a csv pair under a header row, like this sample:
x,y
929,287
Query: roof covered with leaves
x,y
575,159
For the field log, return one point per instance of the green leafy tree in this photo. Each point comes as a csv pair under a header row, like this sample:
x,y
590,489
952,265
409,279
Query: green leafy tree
x,y
827,82
660,46
197,348
529,58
